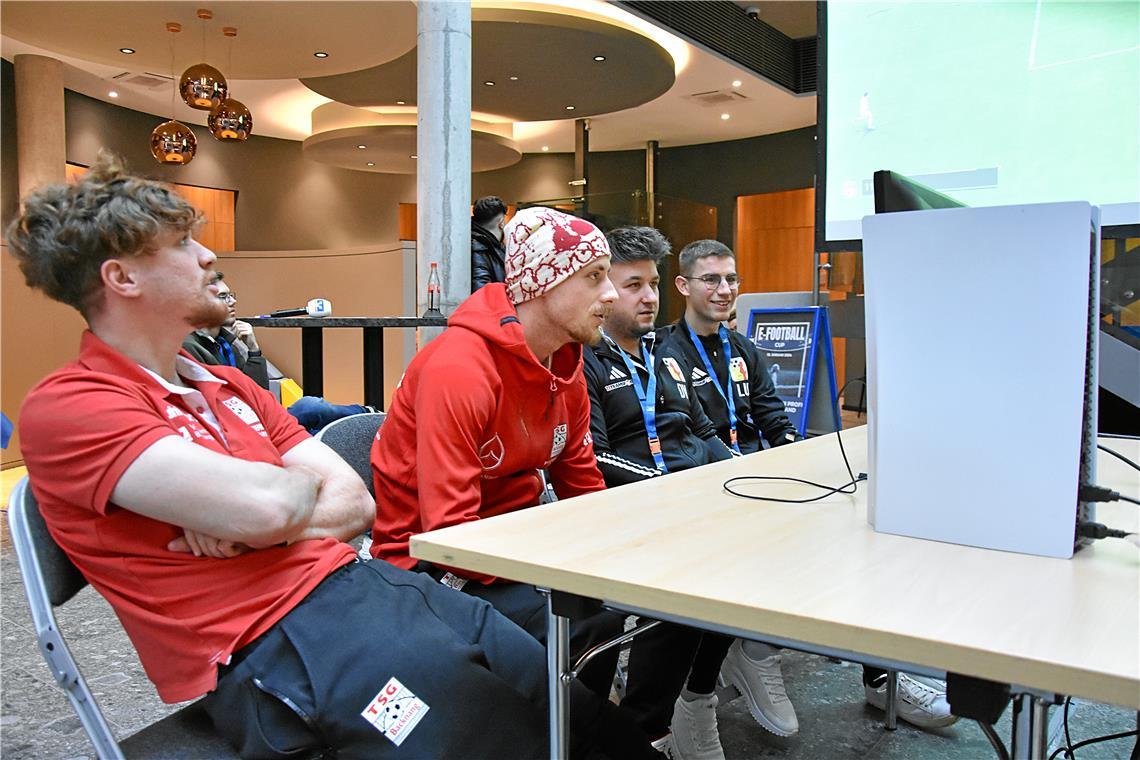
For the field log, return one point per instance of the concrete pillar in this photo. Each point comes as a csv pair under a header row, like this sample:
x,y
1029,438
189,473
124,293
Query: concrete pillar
x,y
41,148
443,147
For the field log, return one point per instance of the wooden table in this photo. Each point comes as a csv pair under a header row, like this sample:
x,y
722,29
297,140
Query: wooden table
x,y
312,347
817,577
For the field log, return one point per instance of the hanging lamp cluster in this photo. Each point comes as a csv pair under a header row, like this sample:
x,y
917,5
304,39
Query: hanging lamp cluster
x,y
202,87
172,142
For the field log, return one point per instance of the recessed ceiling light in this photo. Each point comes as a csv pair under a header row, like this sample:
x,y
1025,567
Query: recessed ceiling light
x,y
361,147
599,58
545,148
127,51
414,156
725,117
320,54
736,83
569,108
514,79
370,163
401,102
112,94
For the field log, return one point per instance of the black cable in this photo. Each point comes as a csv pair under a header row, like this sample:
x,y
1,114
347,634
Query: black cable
x,y
1068,736
1095,740
1119,456
1119,436
852,484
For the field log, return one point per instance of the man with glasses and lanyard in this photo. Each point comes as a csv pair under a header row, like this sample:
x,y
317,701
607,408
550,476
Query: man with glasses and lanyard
x,y
735,389
230,344
646,422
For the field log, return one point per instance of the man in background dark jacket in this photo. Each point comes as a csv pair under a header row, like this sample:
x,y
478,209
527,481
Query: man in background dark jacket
x,y
230,344
487,242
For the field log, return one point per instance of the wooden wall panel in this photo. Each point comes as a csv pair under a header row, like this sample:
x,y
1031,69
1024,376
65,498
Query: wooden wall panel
x,y
775,242
775,235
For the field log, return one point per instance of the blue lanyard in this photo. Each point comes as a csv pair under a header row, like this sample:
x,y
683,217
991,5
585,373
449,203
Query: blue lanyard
x,y
730,396
647,397
227,352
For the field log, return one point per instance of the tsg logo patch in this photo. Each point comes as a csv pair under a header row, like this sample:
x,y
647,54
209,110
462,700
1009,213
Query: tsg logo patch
x,y
559,441
395,711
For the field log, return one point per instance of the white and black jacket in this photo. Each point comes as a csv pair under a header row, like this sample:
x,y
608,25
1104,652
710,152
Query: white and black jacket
x,y
688,437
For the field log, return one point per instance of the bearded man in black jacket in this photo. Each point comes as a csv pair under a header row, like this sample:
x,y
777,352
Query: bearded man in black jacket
x,y
487,242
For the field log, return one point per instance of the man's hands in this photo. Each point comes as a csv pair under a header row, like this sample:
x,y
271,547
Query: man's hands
x,y
243,331
202,545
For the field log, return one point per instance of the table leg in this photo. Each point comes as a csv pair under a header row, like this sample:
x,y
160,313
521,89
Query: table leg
x,y
313,361
892,709
374,366
557,665
1029,738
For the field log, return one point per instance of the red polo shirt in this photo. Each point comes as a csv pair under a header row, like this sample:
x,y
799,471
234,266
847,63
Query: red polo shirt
x,y
81,428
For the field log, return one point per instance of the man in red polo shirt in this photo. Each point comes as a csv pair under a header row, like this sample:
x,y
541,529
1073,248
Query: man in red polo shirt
x,y
215,525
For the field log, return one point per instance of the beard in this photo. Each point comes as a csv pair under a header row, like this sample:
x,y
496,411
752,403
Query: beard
x,y
209,313
626,327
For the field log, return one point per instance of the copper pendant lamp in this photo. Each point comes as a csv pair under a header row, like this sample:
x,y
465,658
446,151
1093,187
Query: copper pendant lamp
x,y
202,86
230,120
172,142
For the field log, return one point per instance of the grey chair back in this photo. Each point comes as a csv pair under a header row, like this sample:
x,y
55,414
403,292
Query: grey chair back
x,y
50,580
352,437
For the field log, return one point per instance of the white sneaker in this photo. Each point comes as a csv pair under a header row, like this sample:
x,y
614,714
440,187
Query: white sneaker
x,y
664,745
762,684
365,550
695,735
918,704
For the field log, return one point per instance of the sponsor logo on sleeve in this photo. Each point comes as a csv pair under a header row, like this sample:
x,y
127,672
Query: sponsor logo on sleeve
x,y
395,711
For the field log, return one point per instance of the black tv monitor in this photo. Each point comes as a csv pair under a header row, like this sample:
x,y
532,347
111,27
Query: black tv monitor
x,y
894,192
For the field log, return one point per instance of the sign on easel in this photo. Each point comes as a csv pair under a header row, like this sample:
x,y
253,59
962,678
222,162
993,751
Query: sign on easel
x,y
796,345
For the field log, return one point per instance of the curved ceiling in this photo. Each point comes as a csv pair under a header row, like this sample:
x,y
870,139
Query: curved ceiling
x,y
539,64
276,40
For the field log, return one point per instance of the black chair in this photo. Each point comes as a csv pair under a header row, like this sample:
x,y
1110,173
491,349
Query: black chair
x,y
50,580
351,437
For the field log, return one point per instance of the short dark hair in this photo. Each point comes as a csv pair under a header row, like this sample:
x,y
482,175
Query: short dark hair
x,y
701,249
630,244
66,232
487,209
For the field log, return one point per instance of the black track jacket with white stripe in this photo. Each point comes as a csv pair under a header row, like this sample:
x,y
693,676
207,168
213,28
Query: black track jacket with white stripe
x,y
688,437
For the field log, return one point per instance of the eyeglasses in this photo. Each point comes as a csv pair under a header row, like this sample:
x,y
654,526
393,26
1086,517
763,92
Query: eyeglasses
x,y
712,281
230,297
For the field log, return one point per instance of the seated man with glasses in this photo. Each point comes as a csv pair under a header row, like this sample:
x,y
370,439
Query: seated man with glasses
x,y
230,344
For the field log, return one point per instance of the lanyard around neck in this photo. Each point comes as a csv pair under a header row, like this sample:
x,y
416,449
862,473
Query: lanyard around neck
x,y
727,393
647,398
227,350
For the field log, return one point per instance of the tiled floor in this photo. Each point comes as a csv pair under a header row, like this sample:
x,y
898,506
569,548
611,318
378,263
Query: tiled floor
x,y
36,721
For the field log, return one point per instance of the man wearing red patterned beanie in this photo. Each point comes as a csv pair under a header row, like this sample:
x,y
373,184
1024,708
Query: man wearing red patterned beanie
x,y
486,407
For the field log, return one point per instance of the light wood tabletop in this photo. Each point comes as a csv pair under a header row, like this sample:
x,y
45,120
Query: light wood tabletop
x,y
817,573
